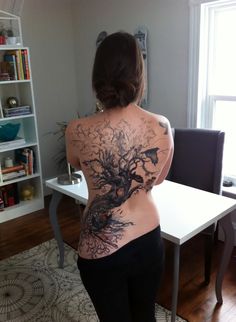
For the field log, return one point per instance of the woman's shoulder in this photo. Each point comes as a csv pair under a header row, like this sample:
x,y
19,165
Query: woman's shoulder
x,y
157,119
161,126
155,116
80,122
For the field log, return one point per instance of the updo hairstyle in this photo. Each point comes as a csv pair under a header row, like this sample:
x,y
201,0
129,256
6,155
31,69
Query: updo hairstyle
x,y
118,71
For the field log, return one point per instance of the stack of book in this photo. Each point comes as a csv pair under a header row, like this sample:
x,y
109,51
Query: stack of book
x,y
26,158
5,71
18,64
15,111
9,195
13,172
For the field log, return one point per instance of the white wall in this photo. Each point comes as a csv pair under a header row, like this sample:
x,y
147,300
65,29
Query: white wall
x,y
48,31
167,22
61,35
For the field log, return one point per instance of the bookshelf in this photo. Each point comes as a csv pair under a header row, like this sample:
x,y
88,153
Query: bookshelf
x,y
21,188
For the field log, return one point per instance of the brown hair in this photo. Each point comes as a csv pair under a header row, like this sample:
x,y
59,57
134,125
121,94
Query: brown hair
x,y
118,71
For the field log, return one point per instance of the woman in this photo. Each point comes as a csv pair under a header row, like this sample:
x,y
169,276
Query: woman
x,y
123,152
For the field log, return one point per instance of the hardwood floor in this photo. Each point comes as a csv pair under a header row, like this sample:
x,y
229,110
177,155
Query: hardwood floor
x,y
196,303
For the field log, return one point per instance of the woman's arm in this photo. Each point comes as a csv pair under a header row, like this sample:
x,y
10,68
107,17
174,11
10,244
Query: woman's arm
x,y
168,146
166,168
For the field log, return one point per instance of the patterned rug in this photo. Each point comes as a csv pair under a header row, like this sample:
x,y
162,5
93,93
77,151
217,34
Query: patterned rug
x,y
34,289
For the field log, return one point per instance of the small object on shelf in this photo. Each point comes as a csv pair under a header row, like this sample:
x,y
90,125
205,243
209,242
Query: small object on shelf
x,y
8,162
2,40
4,77
27,192
12,40
12,102
9,131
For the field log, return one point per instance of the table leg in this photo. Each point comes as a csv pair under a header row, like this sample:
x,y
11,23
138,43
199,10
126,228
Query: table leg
x,y
175,282
227,225
56,197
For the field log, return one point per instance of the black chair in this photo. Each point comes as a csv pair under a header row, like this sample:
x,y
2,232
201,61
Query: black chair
x,y
197,162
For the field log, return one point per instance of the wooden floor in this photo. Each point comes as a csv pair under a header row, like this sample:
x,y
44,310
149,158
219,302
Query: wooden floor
x,y
197,303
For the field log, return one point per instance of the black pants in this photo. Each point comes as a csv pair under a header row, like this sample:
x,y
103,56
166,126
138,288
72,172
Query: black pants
x,y
123,285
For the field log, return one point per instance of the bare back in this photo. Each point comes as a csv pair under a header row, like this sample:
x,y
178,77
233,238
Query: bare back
x,y
123,154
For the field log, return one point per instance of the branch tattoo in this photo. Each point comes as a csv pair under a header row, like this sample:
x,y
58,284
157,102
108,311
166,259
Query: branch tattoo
x,y
120,165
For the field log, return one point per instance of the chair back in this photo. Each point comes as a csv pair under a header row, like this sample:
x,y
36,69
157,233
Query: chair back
x,y
197,160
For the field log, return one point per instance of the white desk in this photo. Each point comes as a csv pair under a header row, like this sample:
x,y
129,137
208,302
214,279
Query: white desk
x,y
184,212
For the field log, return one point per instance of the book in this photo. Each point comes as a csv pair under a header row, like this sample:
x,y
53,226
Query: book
x,y
16,167
9,195
23,63
1,109
19,67
15,111
26,64
31,161
26,157
13,175
11,59
4,71
19,59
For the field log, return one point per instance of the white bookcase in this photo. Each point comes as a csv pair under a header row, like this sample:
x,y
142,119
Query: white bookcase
x,y
24,153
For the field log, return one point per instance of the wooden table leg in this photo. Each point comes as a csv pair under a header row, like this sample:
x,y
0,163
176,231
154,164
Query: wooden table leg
x,y
56,198
227,226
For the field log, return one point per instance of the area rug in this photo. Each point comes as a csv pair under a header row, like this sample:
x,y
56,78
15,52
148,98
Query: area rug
x,y
34,289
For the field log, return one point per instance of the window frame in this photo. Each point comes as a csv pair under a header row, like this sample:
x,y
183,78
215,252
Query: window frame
x,y
201,17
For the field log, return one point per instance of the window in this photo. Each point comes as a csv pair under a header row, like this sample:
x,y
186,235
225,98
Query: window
x,y
212,86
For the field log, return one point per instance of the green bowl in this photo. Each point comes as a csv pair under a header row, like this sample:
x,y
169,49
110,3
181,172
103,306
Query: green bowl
x,y
9,131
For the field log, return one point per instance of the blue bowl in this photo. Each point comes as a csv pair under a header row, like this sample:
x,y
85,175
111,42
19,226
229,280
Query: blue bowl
x,y
9,131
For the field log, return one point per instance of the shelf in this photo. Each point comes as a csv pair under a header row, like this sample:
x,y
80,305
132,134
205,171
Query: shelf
x,y
15,81
20,179
22,146
23,208
10,47
12,23
2,119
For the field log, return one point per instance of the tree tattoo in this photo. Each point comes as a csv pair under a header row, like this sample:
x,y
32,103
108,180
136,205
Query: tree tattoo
x,y
120,163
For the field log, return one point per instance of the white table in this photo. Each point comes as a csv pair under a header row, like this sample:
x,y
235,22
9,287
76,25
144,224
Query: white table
x,y
184,212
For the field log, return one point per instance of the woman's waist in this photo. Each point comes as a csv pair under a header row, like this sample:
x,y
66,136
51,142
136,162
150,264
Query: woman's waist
x,y
150,242
142,201
99,239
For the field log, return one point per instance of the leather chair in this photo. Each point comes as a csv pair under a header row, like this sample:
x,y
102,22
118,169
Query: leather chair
x,y
197,162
